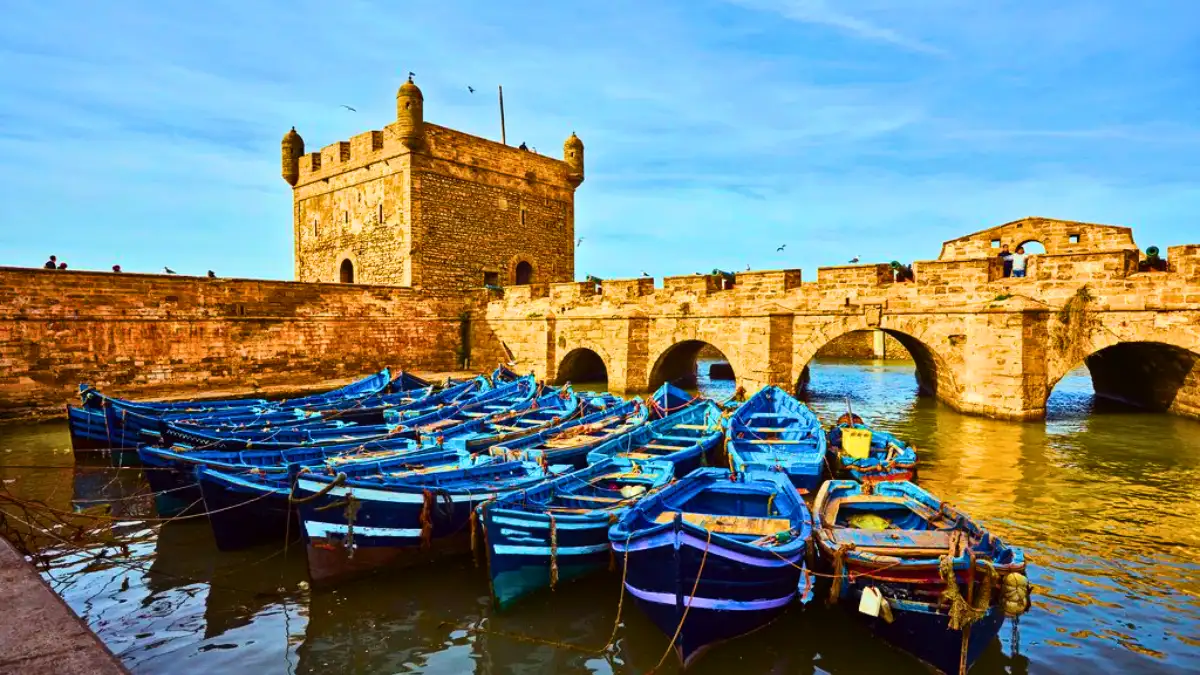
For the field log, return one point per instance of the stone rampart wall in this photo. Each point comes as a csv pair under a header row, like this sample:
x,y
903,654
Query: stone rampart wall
x,y
144,335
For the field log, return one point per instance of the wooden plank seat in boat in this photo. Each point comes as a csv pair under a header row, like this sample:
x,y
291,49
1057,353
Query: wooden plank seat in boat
x,y
659,446
694,427
505,427
637,455
730,524
596,498
775,441
769,430
933,542
685,439
782,416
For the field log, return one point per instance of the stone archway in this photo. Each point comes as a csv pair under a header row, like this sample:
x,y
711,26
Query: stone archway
x,y
582,366
678,364
1155,376
346,271
934,375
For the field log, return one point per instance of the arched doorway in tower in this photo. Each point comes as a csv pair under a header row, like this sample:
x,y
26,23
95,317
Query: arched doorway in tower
x,y
696,366
1032,247
583,367
346,272
877,373
523,274
1128,377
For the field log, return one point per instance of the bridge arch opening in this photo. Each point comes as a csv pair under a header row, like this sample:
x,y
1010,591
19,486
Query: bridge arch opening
x,y
582,366
691,364
1148,376
890,360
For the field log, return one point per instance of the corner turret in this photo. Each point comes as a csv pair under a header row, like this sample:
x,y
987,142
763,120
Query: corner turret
x,y
290,152
410,114
573,156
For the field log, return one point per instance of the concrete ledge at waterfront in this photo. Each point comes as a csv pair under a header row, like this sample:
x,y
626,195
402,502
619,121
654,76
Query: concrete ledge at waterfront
x,y
39,633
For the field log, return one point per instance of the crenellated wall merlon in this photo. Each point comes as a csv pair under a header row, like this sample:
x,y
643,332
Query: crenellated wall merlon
x,y
958,272
620,290
1185,260
309,164
335,153
1083,266
855,276
768,281
697,284
571,291
366,143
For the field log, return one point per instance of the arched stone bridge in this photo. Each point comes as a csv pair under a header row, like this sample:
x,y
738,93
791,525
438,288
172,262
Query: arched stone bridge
x,y
982,343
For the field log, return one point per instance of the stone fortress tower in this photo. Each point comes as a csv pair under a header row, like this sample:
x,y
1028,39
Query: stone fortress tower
x,y
420,205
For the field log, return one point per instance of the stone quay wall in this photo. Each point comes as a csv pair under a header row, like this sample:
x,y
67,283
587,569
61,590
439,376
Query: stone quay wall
x,y
143,335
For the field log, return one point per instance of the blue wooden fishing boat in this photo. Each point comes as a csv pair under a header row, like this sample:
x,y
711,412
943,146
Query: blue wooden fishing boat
x,y
867,454
106,422
669,399
921,574
558,530
715,555
597,401
360,524
170,471
571,441
772,431
687,438
248,505
547,411
307,431
516,395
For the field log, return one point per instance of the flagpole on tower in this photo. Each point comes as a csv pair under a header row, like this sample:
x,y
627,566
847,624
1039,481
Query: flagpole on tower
x,y
503,138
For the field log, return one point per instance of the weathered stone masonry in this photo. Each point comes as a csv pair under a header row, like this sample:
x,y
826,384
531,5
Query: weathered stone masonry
x,y
144,335
982,343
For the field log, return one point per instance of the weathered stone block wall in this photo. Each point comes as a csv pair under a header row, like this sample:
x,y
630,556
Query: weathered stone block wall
x,y
1055,235
1083,267
860,344
481,206
144,335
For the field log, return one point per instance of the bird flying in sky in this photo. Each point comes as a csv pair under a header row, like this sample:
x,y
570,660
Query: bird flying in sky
x,y
471,89
781,247
348,108
578,242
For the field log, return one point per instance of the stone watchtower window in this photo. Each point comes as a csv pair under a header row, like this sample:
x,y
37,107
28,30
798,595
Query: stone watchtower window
x,y
347,272
524,273
491,278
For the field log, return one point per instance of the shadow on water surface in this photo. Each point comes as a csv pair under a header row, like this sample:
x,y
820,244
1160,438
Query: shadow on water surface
x,y
1103,499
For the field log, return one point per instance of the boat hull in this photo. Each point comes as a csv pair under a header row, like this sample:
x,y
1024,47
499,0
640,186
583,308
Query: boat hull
x,y
243,514
738,592
926,634
388,528
520,550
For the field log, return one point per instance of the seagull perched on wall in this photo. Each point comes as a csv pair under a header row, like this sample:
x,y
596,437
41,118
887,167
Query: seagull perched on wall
x,y
644,273
854,260
168,270
781,248
348,108
747,268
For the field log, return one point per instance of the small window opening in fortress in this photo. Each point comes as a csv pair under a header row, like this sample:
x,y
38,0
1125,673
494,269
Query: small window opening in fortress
x,y
345,216
346,274
524,273
522,216
381,212
995,243
1073,238
491,278
316,231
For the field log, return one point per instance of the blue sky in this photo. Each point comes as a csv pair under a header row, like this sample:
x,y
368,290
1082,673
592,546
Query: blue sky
x,y
147,133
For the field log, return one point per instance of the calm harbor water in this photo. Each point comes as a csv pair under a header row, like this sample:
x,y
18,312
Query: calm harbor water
x,y
1105,503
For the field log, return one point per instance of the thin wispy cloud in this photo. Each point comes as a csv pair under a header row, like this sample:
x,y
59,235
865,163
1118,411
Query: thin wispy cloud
x,y
823,13
147,133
